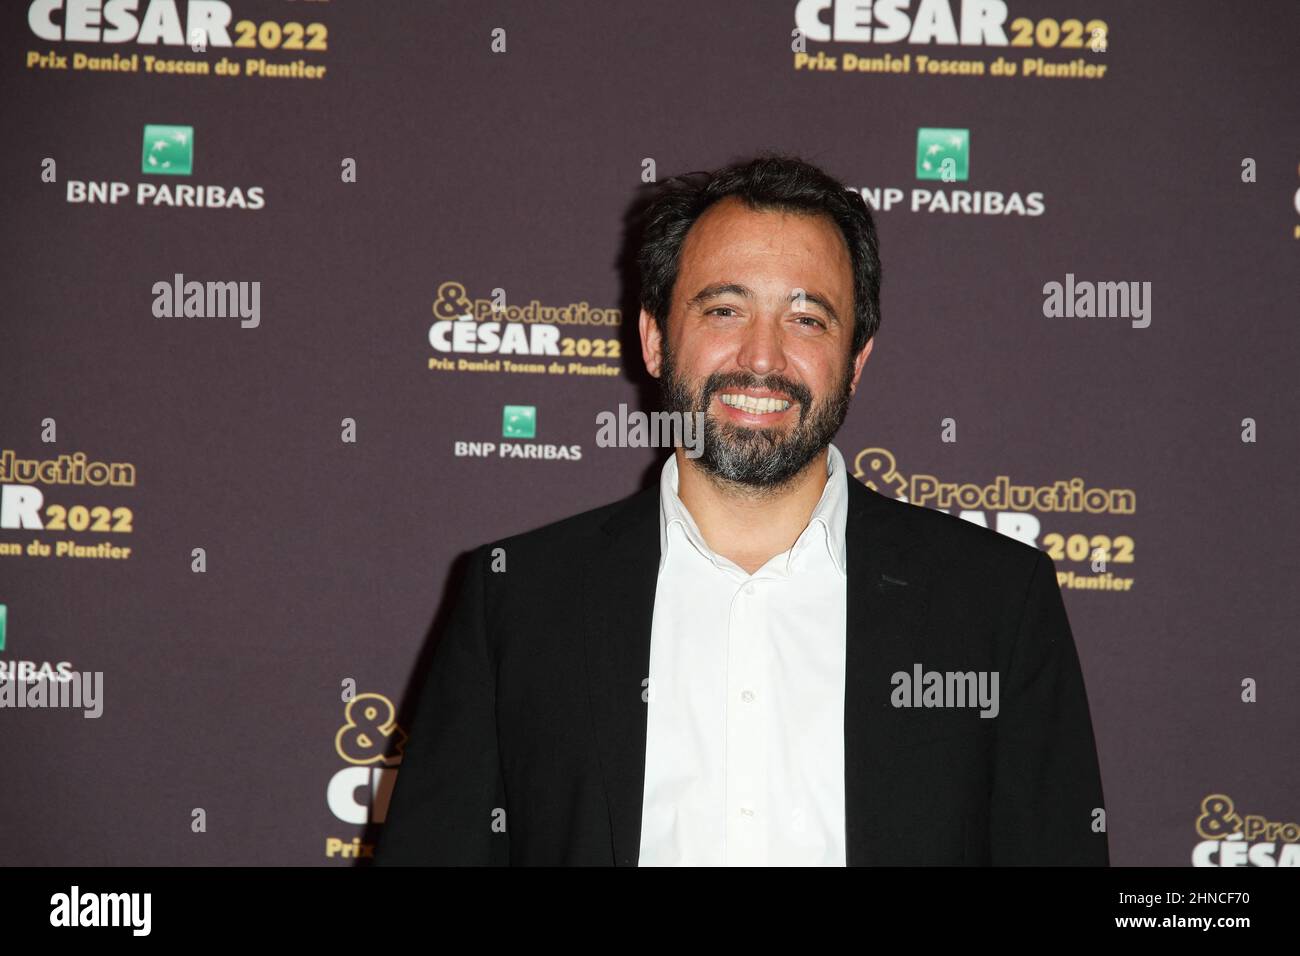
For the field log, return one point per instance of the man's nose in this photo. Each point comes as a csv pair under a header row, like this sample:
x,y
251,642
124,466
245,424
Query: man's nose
x,y
761,350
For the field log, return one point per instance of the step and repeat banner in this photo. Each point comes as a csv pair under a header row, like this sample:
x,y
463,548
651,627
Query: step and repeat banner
x,y
304,299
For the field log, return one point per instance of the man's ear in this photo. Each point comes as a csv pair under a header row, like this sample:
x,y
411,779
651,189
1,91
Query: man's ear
x,y
859,362
651,343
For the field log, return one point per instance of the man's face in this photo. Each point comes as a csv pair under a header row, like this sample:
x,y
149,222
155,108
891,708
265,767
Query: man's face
x,y
759,334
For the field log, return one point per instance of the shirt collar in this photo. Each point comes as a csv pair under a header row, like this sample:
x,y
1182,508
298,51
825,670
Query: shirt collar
x,y
829,521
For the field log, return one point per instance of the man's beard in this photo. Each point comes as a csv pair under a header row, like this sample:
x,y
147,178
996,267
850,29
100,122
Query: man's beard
x,y
757,457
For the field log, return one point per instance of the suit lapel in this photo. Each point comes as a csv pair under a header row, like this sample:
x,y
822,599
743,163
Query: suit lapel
x,y
619,580
887,591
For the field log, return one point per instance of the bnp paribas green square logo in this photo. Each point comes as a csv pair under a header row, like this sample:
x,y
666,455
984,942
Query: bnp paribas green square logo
x,y
943,154
4,617
519,421
168,150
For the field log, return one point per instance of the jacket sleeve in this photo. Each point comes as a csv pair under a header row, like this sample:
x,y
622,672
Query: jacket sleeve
x,y
1046,782
449,791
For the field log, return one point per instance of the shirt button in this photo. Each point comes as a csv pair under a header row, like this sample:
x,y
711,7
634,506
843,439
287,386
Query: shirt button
x,y
749,589
747,696
746,812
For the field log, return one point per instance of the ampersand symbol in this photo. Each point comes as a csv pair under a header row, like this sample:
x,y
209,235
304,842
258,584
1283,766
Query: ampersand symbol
x,y
451,302
371,733
876,469
1217,819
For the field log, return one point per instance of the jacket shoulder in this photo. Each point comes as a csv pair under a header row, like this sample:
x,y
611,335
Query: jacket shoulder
x,y
956,539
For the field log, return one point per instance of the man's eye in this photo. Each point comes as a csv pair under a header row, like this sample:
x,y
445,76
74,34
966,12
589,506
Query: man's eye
x,y
719,308
808,318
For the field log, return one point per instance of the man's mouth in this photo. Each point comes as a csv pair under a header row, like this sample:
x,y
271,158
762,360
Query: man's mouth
x,y
754,404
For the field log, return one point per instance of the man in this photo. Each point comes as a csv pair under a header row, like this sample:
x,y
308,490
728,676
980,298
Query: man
x,y
735,667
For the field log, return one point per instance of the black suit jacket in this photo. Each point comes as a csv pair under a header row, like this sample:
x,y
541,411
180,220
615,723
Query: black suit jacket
x,y
533,703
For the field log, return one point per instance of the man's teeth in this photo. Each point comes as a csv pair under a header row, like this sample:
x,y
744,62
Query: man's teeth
x,y
755,406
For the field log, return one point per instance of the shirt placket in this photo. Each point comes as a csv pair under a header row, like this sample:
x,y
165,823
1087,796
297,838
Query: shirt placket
x,y
747,809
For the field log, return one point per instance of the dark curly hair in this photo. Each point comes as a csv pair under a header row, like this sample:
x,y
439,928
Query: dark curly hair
x,y
784,183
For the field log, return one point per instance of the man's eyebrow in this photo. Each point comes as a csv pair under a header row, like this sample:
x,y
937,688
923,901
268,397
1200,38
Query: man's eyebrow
x,y
720,288
744,291
816,298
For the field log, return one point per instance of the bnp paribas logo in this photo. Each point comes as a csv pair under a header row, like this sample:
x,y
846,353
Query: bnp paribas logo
x,y
519,421
943,154
168,150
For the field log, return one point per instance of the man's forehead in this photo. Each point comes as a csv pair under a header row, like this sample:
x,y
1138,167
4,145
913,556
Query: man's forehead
x,y
718,224
715,236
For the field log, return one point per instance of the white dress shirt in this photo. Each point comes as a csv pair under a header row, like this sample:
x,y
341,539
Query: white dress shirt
x,y
745,734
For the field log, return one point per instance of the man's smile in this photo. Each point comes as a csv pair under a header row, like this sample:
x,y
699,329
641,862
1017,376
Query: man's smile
x,y
754,406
